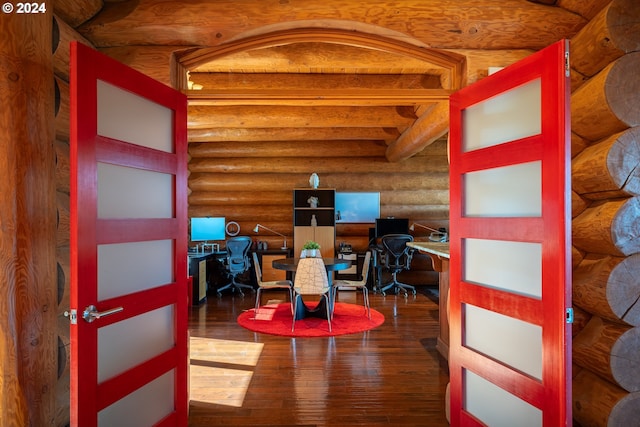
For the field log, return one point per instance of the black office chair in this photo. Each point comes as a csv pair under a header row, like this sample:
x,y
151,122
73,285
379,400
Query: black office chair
x,y
396,258
237,262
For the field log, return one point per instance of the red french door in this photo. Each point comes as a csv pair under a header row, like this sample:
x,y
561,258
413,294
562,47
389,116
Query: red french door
x,y
129,349
510,246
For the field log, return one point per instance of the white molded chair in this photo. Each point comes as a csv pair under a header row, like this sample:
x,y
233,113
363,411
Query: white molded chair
x,y
274,284
359,284
311,279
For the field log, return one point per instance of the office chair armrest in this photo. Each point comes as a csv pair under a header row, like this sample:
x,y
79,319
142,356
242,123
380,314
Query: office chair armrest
x,y
409,257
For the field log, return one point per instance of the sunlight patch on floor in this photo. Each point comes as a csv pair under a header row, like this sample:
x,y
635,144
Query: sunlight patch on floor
x,y
219,386
214,376
225,351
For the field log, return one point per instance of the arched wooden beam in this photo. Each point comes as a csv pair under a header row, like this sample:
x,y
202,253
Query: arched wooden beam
x,y
452,62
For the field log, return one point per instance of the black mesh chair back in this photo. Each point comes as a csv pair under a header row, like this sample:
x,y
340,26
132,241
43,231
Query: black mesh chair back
x,y
397,257
237,262
238,254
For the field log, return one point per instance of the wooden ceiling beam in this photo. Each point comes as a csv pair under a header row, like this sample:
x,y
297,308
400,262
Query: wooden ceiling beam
x,y
304,81
445,24
427,129
214,133
316,57
302,117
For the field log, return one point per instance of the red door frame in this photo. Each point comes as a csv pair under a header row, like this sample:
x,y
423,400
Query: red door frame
x,y
552,230
88,231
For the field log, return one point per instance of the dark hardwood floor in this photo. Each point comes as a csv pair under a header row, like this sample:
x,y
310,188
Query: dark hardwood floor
x,y
389,376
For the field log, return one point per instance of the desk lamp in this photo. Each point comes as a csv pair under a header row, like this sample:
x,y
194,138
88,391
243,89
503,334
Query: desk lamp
x,y
435,236
258,226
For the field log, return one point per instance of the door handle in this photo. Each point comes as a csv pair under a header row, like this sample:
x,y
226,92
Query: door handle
x,y
91,313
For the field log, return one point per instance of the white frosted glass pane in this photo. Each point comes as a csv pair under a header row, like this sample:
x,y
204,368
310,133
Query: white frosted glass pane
x,y
495,407
144,407
509,191
511,266
133,193
506,117
128,117
124,268
126,344
503,338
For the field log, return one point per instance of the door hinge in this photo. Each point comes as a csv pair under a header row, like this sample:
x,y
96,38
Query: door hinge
x,y
569,315
72,315
567,66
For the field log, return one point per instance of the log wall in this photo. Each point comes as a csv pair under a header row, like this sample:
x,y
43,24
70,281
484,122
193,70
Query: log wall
x,y
27,222
606,217
253,183
606,292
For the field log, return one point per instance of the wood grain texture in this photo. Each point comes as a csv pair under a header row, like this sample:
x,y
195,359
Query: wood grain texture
x,y
440,24
27,220
606,104
390,376
613,32
608,227
610,168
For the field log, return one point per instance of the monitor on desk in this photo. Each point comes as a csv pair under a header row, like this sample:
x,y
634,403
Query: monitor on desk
x,y
208,229
391,226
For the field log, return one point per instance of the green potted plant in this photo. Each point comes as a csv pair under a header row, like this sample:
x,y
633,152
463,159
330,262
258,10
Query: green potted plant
x,y
311,249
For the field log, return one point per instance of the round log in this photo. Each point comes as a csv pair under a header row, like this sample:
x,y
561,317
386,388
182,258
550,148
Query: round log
x,y
607,286
62,109
576,256
577,144
287,181
224,149
609,169
76,12
433,164
593,349
387,134
253,198
613,32
607,103
578,204
63,35
237,213
588,9
580,320
625,360
426,130
62,166
609,227
595,401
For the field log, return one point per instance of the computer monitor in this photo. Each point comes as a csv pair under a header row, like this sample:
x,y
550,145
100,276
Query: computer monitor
x,y
208,229
391,226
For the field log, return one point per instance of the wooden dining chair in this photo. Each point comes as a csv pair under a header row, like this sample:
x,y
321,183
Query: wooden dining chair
x,y
311,279
358,284
267,285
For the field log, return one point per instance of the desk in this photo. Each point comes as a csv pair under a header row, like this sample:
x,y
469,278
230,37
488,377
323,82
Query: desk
x,y
439,253
202,268
331,264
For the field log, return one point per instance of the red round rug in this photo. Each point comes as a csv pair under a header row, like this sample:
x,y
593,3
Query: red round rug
x,y
276,319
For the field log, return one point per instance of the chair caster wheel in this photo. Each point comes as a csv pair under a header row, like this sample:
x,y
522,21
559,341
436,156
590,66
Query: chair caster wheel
x,y
384,294
414,292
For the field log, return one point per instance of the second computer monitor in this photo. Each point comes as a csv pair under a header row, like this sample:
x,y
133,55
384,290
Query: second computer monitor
x,y
391,226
